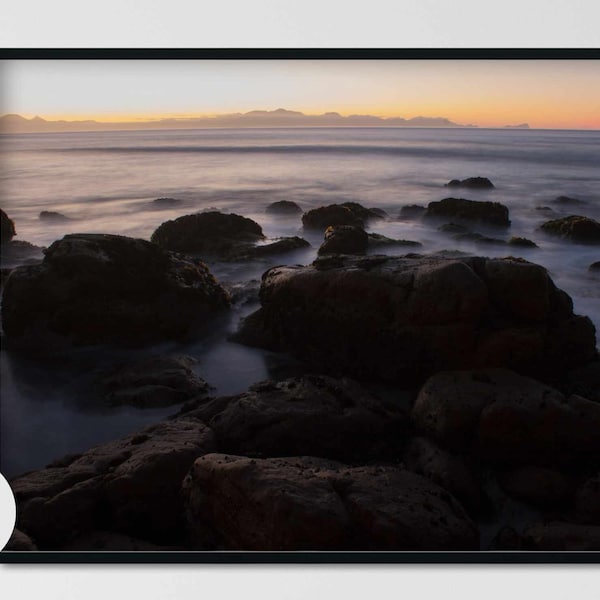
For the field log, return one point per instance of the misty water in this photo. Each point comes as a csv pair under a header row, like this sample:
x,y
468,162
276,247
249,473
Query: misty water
x,y
106,181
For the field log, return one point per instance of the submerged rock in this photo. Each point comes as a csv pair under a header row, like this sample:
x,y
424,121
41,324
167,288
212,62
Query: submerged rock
x,y
476,183
521,242
453,228
507,419
280,246
405,318
595,266
477,238
152,382
96,288
567,200
305,503
130,486
7,228
344,239
492,213
209,233
49,215
161,203
575,228
283,207
308,415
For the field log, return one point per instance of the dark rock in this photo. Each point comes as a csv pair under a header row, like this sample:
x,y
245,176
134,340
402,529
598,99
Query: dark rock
x,y
587,501
313,415
545,208
540,486
584,381
363,213
412,211
567,200
595,266
209,233
405,318
19,542
327,216
522,242
305,503
507,539
95,288
505,418
344,239
283,207
280,246
562,537
108,541
478,238
574,228
130,486
48,215
161,203
476,183
377,240
492,213
7,228
153,382
448,470
453,228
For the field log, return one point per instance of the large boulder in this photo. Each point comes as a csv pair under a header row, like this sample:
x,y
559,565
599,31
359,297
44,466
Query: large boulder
x,y
305,503
19,252
344,239
314,415
405,318
575,228
587,500
130,486
562,537
208,233
412,211
19,542
475,183
7,228
491,213
507,419
96,288
347,213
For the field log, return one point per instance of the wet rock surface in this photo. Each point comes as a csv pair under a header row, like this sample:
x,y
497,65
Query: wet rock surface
x,y
152,382
574,228
96,288
304,503
308,415
491,213
405,318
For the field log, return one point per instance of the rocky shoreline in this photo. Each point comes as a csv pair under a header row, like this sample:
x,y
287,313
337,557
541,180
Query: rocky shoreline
x,y
498,447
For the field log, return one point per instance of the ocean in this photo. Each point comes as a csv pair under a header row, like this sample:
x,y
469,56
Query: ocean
x,y
106,181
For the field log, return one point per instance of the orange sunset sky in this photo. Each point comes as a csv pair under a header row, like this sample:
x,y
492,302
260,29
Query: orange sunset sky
x,y
543,93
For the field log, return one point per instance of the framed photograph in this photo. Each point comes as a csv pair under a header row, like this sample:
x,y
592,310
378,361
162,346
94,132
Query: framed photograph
x,y
300,305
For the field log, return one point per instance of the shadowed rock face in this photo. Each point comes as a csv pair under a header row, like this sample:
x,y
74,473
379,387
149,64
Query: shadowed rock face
x,y
95,288
211,233
507,419
314,415
7,228
306,503
405,318
574,228
130,486
348,213
492,213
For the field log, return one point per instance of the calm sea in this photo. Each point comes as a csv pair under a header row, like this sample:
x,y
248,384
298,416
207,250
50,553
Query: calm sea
x,y
106,181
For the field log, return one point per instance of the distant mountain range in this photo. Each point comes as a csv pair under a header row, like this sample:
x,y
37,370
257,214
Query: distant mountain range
x,y
256,118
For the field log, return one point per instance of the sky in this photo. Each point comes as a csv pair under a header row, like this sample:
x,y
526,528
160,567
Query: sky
x,y
543,93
